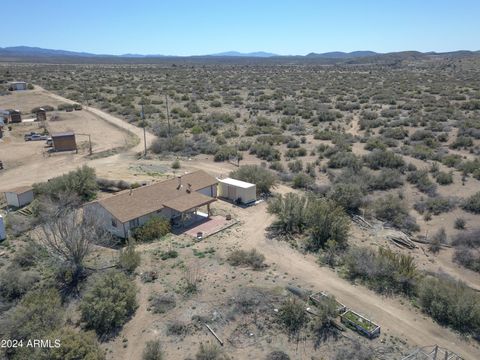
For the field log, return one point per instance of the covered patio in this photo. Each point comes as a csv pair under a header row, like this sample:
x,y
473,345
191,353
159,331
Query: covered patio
x,y
185,209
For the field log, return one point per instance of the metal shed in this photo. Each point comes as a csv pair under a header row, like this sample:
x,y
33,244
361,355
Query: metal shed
x,y
237,190
64,141
18,85
19,196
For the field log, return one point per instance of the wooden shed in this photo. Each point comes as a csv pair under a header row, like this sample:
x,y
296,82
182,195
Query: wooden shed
x,y
236,190
19,196
41,115
11,116
64,141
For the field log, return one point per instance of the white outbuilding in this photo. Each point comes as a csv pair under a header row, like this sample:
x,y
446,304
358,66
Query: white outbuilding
x,y
237,191
19,196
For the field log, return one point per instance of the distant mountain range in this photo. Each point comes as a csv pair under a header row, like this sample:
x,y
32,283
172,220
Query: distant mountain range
x,y
25,53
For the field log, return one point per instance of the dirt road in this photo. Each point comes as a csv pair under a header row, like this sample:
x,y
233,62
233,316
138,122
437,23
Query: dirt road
x,y
397,317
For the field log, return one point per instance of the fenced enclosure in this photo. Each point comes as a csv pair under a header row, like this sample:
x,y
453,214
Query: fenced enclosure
x,y
321,296
360,323
432,353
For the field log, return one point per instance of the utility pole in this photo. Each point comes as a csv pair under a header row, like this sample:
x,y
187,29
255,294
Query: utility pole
x,y
144,132
168,115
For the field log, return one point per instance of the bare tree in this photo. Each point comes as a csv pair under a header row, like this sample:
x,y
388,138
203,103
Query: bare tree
x,y
68,238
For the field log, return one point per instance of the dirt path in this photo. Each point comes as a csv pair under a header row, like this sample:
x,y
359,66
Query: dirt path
x,y
396,317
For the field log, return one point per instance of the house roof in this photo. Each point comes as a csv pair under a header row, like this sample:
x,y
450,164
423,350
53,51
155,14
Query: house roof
x,y
131,204
237,183
19,190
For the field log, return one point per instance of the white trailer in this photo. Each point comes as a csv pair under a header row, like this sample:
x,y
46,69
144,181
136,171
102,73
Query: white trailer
x,y
237,190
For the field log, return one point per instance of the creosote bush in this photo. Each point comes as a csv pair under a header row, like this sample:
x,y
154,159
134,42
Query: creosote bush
x,y
263,178
155,228
249,258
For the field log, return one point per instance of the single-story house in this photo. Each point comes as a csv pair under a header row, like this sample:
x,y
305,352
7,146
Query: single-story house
x,y
17,85
175,199
64,141
19,196
237,190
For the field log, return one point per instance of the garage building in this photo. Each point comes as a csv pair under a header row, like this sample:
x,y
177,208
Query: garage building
x,y
236,190
64,141
19,196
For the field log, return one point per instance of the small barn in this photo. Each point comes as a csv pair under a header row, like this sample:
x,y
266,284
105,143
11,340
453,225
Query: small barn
x,y
236,190
64,141
41,115
11,116
17,85
19,196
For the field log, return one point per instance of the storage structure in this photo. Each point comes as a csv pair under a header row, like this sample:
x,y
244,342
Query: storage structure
x,y
11,116
318,298
237,191
360,324
64,141
19,196
41,115
17,85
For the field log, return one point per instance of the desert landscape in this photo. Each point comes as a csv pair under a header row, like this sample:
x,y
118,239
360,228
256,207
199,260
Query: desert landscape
x,y
367,178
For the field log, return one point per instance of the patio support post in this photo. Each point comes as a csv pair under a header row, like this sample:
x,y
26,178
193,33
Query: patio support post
x,y
208,210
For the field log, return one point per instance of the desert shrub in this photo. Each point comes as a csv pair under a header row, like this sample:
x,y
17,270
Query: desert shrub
x,y
152,351
109,302
459,223
173,144
383,159
277,355
81,182
462,142
290,210
112,185
435,205
394,211
176,328
422,181
264,179
176,164
210,351
74,345
18,224
27,255
38,313
451,160
303,181
472,204
344,159
347,195
265,152
326,221
444,178
14,282
467,247
295,166
384,270
386,179
438,239
129,259
451,303
155,228
161,303
225,153
249,258
292,316
355,351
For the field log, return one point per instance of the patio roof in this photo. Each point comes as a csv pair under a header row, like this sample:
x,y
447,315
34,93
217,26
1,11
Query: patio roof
x,y
189,201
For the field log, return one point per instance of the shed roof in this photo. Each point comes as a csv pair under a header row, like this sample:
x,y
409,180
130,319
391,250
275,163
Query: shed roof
x,y
63,134
188,201
237,183
131,204
19,190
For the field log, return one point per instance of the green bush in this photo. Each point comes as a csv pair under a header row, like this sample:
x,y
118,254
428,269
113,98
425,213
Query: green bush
x,y
290,210
155,228
210,351
14,282
292,315
264,179
451,303
348,196
383,159
444,178
75,345
109,302
81,182
129,259
394,211
303,181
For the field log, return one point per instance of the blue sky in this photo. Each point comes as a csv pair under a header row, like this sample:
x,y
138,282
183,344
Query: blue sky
x,y
181,27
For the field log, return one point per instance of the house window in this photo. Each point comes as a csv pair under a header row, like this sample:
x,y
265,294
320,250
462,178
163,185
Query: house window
x,y
134,223
114,223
